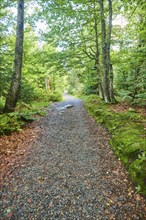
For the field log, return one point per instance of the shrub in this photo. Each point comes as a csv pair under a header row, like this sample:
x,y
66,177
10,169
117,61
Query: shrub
x,y
91,89
55,96
9,123
30,93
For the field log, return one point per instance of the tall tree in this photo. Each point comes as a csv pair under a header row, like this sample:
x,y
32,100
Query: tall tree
x,y
109,62
13,94
106,30
104,54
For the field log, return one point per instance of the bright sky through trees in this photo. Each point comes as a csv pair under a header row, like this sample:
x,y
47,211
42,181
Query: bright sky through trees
x,y
41,26
120,21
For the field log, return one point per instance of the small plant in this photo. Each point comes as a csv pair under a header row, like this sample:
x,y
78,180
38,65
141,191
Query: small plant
x,y
9,123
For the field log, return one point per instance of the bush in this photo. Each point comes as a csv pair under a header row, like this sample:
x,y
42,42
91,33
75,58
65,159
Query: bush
x,y
140,99
9,123
24,113
30,93
27,93
55,96
91,89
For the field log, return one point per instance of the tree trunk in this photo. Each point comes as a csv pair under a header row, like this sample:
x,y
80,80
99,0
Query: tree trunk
x,y
111,90
112,97
97,63
14,91
104,55
47,82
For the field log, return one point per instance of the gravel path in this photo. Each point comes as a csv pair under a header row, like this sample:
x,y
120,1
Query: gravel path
x,y
70,173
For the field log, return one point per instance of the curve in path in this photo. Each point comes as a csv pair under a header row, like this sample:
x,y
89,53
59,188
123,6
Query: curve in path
x,y
70,173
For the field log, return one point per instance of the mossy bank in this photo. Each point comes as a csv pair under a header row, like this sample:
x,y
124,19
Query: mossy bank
x,y
128,137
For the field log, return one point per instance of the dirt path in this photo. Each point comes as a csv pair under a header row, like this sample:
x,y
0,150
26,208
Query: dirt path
x,y
70,173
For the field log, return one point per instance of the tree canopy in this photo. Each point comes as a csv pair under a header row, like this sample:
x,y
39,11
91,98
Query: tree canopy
x,y
81,46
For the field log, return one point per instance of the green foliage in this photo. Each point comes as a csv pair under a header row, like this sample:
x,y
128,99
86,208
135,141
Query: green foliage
x,y
61,51
2,103
30,93
90,89
129,58
9,123
24,113
55,96
6,57
27,93
130,84
138,171
128,137
39,105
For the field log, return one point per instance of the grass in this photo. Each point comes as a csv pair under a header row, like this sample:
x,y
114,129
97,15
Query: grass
x,y
128,137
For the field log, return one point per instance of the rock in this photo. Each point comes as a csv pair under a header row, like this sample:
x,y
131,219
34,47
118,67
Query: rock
x,y
64,107
69,106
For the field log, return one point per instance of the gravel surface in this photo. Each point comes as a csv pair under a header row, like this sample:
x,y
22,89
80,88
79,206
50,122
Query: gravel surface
x,y
70,173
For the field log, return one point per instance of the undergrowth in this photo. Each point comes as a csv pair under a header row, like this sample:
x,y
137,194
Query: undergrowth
x,y
128,137
25,113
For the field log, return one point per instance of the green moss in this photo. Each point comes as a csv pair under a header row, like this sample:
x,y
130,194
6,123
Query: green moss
x,y
128,137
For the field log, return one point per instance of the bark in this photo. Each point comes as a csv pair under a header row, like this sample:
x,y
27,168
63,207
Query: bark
x,y
104,55
112,97
97,54
14,91
47,82
111,90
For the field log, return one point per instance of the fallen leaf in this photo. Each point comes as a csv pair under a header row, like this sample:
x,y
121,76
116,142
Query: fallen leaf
x,y
10,214
29,200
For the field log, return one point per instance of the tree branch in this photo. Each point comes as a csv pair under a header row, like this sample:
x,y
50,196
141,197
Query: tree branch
x,y
89,54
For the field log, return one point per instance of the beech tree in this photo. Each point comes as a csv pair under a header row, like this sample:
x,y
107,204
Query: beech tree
x,y
14,91
106,50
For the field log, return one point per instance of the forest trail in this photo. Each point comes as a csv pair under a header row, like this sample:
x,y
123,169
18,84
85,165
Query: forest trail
x,y
70,173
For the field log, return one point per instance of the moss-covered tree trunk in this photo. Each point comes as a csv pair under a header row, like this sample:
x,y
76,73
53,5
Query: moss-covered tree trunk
x,y
13,94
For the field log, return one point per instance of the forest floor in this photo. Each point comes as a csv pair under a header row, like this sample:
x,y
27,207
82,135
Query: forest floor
x,y
62,167
124,107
